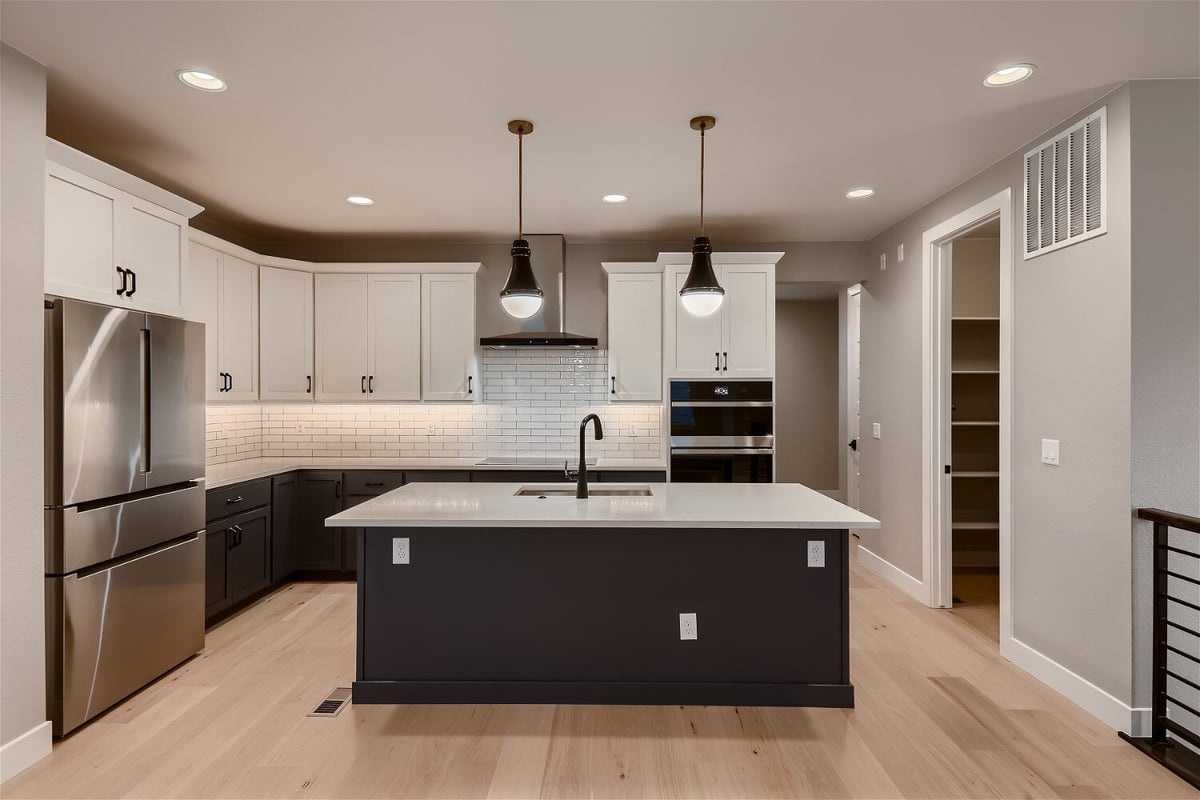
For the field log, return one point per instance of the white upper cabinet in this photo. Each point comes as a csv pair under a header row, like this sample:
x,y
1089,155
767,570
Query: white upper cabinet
x,y
738,341
448,342
222,292
108,246
394,322
285,341
342,337
635,333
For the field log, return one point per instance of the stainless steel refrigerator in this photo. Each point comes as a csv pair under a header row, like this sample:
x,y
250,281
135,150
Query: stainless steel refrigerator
x,y
124,502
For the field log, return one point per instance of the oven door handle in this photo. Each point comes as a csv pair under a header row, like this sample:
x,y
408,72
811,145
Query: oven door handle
x,y
722,451
722,403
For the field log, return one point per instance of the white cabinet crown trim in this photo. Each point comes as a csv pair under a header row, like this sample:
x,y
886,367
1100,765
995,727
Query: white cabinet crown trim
x,y
96,169
671,259
631,267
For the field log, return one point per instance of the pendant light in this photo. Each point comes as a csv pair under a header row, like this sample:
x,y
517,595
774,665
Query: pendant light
x,y
521,296
702,294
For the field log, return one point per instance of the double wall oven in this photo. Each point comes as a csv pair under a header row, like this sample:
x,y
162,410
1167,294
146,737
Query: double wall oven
x,y
722,432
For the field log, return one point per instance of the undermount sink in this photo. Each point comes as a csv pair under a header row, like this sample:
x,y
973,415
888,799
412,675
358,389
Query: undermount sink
x,y
593,491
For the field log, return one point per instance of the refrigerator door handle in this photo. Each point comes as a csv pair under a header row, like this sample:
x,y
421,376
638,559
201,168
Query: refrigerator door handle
x,y
146,384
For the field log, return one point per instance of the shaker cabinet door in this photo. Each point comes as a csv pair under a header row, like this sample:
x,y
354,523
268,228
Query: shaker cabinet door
x,y
239,328
285,316
448,341
748,350
693,343
342,337
635,337
394,319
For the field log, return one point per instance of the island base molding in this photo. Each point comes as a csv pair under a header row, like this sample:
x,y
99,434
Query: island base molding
x,y
605,693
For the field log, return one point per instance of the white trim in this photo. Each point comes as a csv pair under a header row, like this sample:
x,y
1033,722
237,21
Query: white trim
x,y
618,267
94,168
26,750
318,267
935,330
669,259
1080,691
880,566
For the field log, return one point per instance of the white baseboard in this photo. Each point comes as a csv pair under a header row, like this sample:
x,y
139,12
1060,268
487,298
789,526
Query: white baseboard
x,y
26,750
1080,691
887,569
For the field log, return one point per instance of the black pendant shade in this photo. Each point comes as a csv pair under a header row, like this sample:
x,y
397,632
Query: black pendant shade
x,y
521,281
701,294
701,278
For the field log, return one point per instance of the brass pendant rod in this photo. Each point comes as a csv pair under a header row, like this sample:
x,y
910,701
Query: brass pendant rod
x,y
520,185
702,180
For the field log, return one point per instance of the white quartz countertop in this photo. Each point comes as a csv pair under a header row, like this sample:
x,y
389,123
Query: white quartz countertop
x,y
671,505
219,475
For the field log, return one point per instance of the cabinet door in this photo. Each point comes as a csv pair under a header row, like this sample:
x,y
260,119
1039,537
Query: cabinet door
x,y
248,553
394,320
216,584
81,256
285,318
448,339
635,337
150,244
283,520
319,496
341,337
203,304
748,350
239,328
693,343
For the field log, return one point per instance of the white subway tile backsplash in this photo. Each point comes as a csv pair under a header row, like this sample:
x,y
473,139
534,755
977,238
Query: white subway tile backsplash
x,y
532,403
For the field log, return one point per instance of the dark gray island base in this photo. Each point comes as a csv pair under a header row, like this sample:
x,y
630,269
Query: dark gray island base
x,y
583,615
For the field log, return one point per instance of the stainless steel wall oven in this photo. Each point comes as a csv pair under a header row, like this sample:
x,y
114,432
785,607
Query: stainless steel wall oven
x,y
722,432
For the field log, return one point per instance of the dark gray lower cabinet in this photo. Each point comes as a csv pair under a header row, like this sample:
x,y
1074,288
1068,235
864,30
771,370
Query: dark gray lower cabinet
x,y
238,559
318,549
284,497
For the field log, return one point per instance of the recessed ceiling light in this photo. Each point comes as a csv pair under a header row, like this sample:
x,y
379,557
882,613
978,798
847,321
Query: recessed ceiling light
x,y
359,200
199,79
1007,76
614,198
860,193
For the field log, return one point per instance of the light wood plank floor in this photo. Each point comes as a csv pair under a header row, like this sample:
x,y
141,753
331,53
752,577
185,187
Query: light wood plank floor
x,y
939,714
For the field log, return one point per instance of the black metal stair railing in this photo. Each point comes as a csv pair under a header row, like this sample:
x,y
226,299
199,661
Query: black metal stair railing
x,y
1174,739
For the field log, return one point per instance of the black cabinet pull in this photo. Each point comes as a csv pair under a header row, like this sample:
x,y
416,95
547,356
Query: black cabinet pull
x,y
614,384
133,286
470,390
222,374
370,384
124,273
230,375
726,367
337,488
364,384
232,501
717,356
373,483
309,389
236,530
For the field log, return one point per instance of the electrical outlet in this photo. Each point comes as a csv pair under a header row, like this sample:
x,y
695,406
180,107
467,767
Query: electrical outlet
x,y
875,429
431,429
687,626
299,428
400,552
816,553
1050,452
900,252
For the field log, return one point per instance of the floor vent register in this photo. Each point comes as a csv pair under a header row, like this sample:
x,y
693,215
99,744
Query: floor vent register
x,y
333,703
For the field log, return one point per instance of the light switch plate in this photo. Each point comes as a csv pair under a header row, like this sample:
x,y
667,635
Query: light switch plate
x,y
900,253
816,553
875,429
687,626
882,261
1050,452
400,550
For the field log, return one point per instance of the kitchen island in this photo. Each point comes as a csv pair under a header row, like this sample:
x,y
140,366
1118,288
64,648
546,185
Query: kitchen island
x,y
514,593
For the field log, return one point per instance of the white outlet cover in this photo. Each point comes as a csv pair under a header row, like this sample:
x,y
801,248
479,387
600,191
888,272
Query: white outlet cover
x,y
431,430
816,553
687,626
400,550
1050,452
875,429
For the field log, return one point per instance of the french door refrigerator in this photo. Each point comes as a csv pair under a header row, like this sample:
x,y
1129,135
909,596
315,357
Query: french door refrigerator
x,y
124,502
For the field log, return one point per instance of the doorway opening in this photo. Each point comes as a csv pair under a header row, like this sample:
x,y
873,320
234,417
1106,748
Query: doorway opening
x,y
967,415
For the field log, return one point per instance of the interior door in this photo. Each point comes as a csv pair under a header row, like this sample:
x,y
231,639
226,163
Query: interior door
x,y
694,343
285,314
394,317
239,327
342,335
748,350
102,393
203,304
854,396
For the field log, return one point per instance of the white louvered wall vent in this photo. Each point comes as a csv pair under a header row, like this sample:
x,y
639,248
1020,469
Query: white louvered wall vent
x,y
1065,187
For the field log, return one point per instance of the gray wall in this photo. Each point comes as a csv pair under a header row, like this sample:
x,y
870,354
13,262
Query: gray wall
x,y
1166,328
807,439
22,200
1071,550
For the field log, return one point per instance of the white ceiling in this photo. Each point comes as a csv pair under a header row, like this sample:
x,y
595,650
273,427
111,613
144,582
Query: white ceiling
x,y
407,103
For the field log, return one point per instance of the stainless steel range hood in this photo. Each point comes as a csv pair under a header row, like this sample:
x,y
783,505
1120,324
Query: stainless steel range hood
x,y
545,328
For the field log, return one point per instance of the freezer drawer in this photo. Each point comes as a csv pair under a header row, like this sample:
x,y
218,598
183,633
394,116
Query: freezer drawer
x,y
115,630
80,537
